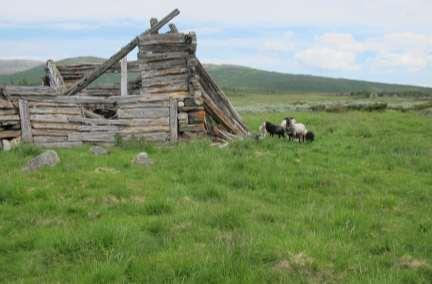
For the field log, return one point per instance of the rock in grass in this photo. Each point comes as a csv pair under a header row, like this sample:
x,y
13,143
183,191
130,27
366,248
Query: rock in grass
x,y
46,159
143,159
98,150
6,145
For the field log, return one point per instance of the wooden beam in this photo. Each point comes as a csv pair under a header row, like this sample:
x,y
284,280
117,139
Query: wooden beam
x,y
26,131
173,28
124,77
89,78
173,120
55,78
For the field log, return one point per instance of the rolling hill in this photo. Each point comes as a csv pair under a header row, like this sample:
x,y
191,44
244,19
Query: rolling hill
x,y
241,80
13,66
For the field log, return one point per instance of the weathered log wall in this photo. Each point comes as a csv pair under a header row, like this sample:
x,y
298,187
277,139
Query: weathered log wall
x,y
166,70
58,121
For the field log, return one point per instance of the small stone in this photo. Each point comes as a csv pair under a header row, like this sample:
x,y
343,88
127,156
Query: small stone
x,y
7,146
46,159
98,150
143,159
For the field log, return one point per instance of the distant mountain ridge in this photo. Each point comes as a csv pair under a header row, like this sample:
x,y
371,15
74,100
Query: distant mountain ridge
x,y
17,65
238,79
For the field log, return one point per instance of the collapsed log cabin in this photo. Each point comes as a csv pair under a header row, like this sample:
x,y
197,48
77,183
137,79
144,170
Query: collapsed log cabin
x,y
171,98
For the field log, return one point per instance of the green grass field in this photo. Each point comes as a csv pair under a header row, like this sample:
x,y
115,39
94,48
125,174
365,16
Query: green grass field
x,y
352,207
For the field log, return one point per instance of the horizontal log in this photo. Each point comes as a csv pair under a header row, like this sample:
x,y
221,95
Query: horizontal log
x,y
51,133
145,129
49,139
143,113
151,137
145,105
154,74
4,104
42,103
73,100
148,57
9,118
165,80
194,128
191,108
180,90
140,99
8,111
10,134
92,137
61,144
55,110
50,118
151,39
160,65
122,122
28,91
99,128
55,126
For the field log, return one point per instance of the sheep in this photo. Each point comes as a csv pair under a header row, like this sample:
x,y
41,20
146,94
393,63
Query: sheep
x,y
297,130
268,127
288,131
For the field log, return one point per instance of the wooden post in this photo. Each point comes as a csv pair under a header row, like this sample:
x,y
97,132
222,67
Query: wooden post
x,y
55,78
124,77
89,78
173,120
26,131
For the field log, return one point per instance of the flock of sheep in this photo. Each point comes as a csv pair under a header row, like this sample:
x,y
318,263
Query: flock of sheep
x,y
288,127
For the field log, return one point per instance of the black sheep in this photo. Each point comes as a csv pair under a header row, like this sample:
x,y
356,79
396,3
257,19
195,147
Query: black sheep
x,y
272,129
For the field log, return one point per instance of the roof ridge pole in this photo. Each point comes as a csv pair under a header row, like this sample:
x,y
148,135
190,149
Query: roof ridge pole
x,y
92,76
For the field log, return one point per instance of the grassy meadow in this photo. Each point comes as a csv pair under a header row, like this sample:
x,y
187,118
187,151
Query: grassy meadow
x,y
352,207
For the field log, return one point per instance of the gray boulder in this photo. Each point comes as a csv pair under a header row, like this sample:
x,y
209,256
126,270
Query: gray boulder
x,y
6,145
46,159
98,150
143,159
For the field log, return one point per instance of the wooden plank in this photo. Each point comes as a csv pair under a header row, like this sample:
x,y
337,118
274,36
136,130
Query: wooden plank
x,y
5,104
124,77
49,139
26,131
89,78
145,105
143,113
9,134
121,122
55,126
11,111
95,128
51,133
55,78
23,91
92,137
151,137
55,110
145,129
173,120
59,118
9,118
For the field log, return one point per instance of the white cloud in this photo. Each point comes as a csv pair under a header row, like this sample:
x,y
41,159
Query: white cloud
x,y
412,61
327,58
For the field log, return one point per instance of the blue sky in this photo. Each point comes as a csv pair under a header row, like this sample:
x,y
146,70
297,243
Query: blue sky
x,y
383,40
